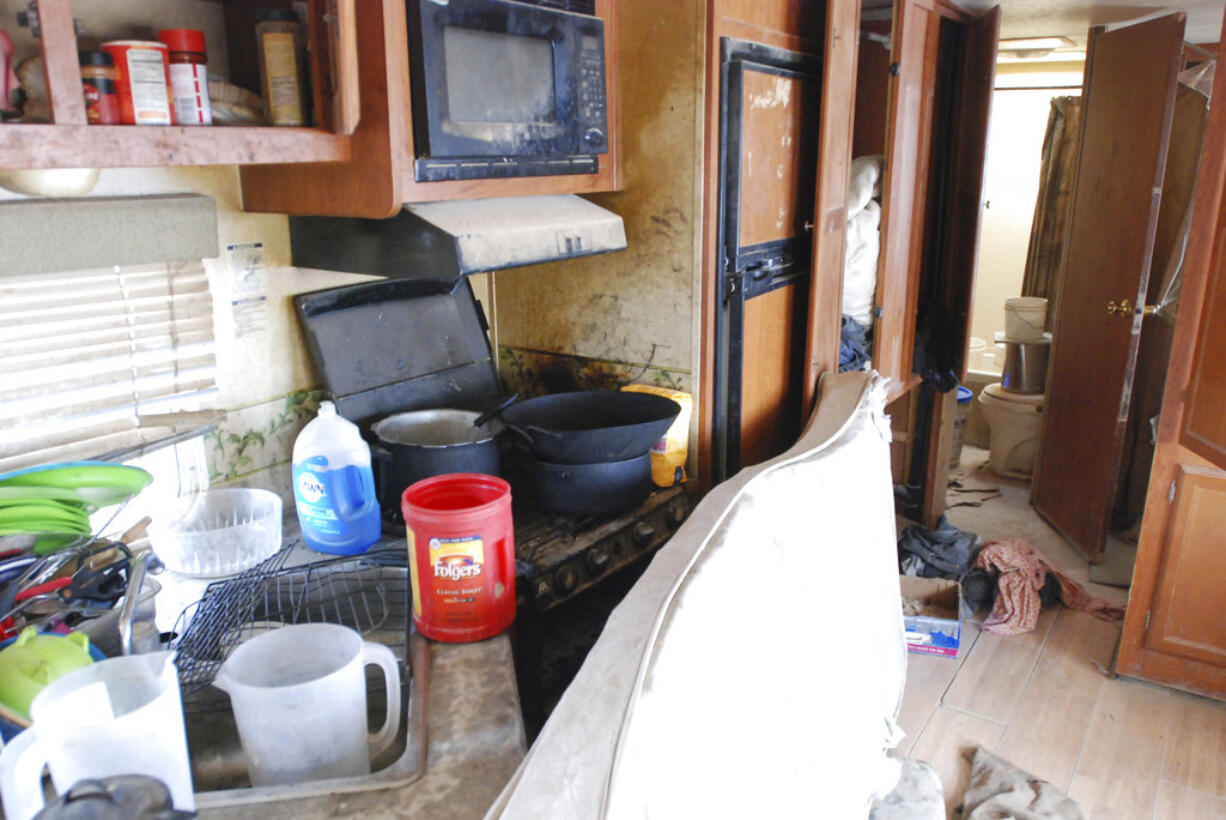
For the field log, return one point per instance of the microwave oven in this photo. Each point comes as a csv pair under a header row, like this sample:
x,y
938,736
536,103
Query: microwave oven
x,y
506,88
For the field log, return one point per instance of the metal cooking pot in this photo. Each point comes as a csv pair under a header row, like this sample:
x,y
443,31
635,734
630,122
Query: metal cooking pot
x,y
425,443
1025,369
593,489
591,426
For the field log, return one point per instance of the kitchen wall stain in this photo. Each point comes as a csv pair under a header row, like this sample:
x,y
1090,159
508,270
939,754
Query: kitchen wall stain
x,y
619,307
538,372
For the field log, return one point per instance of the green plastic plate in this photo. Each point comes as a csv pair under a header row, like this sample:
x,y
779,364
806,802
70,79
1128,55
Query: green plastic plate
x,y
98,483
26,515
41,495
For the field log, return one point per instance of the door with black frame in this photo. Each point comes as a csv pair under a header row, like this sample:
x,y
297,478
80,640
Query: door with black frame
x,y
769,104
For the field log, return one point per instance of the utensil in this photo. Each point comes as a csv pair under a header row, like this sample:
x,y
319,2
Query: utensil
x,y
590,427
425,443
482,419
117,716
278,678
87,583
593,489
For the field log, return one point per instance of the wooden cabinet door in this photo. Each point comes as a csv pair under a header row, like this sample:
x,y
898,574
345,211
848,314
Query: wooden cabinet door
x,y
835,133
1129,101
768,136
1174,632
1186,617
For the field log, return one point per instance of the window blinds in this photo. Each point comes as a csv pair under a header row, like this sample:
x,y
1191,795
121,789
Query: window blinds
x,y
85,354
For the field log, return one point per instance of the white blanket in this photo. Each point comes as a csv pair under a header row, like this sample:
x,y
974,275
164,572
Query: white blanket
x,y
863,238
756,667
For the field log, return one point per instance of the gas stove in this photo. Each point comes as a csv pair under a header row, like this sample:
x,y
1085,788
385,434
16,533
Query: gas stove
x,y
559,556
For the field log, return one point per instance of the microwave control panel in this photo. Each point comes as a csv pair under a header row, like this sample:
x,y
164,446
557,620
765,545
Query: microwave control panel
x,y
592,108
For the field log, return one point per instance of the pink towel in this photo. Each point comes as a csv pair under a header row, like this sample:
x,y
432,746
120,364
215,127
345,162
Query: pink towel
x,y
1022,573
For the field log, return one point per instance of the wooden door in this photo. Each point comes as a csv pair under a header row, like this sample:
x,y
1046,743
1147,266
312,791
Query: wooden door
x,y
768,130
1129,95
841,54
1174,632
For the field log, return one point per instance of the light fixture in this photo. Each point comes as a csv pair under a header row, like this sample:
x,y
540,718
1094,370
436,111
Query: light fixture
x,y
1035,44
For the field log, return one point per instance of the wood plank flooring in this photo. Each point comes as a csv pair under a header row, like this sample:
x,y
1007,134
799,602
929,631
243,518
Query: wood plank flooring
x,y
1121,748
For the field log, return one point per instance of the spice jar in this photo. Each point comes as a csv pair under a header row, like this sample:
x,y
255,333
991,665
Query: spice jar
x,y
98,84
189,82
279,44
141,69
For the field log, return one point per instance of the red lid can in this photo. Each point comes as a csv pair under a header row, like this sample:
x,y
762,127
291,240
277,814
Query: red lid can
x,y
183,39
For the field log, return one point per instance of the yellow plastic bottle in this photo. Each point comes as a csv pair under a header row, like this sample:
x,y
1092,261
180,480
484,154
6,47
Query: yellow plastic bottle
x,y
668,455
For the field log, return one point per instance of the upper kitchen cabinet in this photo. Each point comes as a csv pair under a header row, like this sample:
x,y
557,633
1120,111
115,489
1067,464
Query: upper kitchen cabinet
x,y
69,141
463,100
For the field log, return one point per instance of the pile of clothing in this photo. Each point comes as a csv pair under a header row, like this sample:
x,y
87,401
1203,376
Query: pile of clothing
x,y
1007,574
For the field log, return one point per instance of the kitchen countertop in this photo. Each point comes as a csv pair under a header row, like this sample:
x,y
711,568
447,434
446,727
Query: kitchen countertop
x,y
475,738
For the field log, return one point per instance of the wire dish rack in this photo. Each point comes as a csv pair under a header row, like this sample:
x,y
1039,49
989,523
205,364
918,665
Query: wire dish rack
x,y
368,593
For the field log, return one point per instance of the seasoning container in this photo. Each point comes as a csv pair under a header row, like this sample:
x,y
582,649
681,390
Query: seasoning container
x,y
98,84
142,69
279,44
189,82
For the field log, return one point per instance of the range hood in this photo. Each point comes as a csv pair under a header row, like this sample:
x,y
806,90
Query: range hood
x,y
446,240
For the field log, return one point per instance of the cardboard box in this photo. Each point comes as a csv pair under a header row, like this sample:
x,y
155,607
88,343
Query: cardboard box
x,y
938,630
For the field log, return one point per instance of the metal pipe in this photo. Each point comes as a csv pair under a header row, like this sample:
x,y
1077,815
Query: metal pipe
x,y
127,609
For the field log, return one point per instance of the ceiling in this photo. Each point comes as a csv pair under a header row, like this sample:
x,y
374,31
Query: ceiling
x,y
1073,18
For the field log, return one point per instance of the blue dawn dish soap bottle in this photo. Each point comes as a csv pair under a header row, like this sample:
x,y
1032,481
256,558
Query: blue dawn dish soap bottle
x,y
334,488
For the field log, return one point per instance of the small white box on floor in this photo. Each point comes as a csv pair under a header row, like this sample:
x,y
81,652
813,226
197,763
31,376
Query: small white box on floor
x,y
937,628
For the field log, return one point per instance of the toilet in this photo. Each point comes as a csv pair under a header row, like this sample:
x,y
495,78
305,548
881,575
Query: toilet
x,y
1015,421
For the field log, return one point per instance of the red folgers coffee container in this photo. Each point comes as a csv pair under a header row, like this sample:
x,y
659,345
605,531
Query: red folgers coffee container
x,y
142,68
461,556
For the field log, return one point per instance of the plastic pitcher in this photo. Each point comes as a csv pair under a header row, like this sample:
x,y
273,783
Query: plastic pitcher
x,y
118,716
299,699
334,485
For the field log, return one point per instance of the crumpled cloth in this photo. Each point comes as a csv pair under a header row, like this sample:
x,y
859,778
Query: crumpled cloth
x,y
918,795
942,552
1023,571
855,349
999,790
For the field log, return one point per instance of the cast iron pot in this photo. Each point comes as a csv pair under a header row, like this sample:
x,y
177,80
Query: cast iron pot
x,y
591,426
425,443
593,489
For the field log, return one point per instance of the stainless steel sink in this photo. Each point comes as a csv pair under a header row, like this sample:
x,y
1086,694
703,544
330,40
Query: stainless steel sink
x,y
219,771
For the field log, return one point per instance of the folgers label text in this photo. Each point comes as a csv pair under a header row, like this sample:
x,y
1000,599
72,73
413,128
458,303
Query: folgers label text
x,y
457,558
